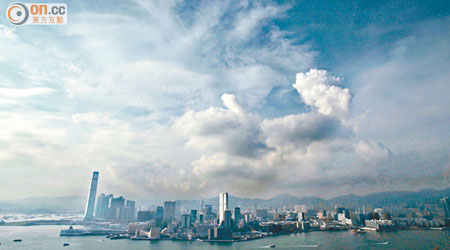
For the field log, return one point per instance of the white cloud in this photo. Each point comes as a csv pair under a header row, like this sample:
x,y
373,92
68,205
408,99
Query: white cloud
x,y
372,152
231,131
14,93
7,33
246,154
316,89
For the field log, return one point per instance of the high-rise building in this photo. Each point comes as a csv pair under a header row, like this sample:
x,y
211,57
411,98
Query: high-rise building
x,y
129,211
145,215
201,218
208,212
193,216
301,216
322,214
223,205
177,209
227,221
101,209
301,208
116,208
91,198
169,211
159,216
186,221
208,209
446,206
237,214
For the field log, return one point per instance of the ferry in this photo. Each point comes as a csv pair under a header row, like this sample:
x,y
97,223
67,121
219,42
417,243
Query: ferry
x,y
72,232
82,232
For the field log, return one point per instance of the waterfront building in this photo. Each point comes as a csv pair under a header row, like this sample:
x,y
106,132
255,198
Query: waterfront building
x,y
303,225
129,211
89,213
301,216
203,229
135,227
219,234
223,206
103,203
154,233
115,209
377,225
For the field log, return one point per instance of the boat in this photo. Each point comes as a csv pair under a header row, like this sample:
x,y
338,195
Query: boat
x,y
117,236
66,244
358,231
72,232
272,246
17,240
90,231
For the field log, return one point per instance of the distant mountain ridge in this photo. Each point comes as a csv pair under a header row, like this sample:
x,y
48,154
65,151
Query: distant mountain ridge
x,y
379,199
43,205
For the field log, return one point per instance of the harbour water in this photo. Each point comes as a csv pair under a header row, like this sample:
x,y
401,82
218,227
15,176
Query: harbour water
x,y
47,237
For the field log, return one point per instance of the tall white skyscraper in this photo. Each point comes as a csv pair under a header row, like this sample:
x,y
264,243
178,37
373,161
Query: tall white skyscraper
x,y
91,199
223,205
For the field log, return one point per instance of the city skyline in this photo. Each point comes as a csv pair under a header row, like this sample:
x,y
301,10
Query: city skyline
x,y
183,100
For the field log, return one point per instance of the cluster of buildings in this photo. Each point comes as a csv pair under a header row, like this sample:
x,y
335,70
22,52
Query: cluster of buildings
x,y
108,208
224,223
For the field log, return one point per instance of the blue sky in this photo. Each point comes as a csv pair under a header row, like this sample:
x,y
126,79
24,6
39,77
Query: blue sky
x,y
183,99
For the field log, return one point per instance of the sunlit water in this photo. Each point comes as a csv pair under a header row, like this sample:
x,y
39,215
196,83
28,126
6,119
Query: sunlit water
x,y
47,237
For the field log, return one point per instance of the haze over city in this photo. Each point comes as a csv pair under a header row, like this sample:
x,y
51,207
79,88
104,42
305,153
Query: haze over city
x,y
184,100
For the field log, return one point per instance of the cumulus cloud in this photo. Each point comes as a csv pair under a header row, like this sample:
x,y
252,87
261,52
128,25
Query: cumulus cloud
x,y
239,149
317,90
231,131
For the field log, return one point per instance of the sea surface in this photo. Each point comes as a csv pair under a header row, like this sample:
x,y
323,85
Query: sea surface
x,y
47,237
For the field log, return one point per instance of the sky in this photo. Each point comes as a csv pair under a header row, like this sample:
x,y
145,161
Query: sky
x,y
177,99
